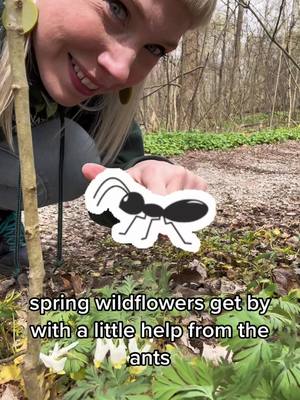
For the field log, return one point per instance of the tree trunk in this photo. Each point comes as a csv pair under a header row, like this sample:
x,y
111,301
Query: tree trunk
x,y
15,38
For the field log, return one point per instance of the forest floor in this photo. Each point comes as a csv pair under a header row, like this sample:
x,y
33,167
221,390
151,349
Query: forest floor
x,y
255,234
254,241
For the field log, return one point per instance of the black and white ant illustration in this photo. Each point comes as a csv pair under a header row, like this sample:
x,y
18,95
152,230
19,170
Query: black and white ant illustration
x,y
143,214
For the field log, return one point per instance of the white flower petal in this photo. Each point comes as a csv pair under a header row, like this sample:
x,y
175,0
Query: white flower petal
x,y
110,343
64,350
118,354
146,348
55,365
54,360
102,349
132,346
55,349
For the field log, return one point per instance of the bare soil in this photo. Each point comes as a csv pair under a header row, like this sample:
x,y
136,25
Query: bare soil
x,y
255,188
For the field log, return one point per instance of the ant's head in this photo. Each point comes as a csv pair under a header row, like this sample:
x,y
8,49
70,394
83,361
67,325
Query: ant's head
x,y
132,203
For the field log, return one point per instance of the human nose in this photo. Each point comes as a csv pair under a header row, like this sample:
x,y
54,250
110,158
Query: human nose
x,y
117,62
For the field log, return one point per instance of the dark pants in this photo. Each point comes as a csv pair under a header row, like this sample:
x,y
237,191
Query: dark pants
x,y
79,149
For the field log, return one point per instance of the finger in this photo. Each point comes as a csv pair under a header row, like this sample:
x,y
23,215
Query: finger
x,y
150,180
199,184
195,183
154,184
179,181
90,171
173,186
135,174
190,181
157,188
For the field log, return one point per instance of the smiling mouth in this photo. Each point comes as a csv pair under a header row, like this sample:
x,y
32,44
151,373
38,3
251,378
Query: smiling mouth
x,y
81,82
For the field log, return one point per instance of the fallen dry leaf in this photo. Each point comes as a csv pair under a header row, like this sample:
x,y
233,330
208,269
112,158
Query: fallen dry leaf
x,y
196,265
9,373
77,284
185,341
10,393
5,285
286,280
216,353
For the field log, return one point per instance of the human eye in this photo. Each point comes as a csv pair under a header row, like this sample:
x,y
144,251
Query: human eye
x,y
118,9
156,50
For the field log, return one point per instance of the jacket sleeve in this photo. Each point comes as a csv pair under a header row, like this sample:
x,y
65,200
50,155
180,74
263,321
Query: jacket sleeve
x,y
131,153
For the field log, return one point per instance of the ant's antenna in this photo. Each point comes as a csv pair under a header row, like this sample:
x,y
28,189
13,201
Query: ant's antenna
x,y
122,186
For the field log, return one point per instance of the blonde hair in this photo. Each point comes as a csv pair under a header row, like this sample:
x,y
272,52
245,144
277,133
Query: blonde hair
x,y
200,11
115,118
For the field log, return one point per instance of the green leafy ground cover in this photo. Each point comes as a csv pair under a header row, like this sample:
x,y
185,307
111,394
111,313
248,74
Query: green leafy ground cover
x,y
240,254
170,144
260,261
266,369
262,369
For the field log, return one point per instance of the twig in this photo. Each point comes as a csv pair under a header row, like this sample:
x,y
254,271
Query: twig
x,y
270,36
173,80
15,37
278,19
12,358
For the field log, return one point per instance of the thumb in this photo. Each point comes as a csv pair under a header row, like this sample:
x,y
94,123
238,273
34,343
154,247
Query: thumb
x,y
90,171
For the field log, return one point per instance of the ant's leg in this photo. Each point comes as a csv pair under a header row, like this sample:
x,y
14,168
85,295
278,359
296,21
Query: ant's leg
x,y
131,223
149,226
171,223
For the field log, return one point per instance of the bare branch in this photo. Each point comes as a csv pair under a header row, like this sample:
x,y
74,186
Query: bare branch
x,y
270,36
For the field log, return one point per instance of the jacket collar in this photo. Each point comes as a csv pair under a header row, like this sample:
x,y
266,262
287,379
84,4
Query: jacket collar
x,y
42,106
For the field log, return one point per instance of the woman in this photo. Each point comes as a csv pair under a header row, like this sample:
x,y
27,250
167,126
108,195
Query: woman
x,y
87,61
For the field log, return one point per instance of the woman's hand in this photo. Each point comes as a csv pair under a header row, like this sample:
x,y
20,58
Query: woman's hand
x,y
159,177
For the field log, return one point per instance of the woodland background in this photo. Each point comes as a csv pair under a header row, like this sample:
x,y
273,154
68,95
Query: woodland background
x,y
242,71
240,75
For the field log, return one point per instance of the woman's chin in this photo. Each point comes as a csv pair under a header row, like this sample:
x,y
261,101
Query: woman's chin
x,y
66,100
68,103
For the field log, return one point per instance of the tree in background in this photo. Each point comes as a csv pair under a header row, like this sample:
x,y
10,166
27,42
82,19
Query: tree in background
x,y
242,71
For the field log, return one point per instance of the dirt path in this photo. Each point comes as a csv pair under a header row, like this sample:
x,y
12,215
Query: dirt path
x,y
254,187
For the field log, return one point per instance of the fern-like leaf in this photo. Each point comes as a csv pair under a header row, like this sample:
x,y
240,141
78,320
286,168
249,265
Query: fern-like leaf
x,y
184,380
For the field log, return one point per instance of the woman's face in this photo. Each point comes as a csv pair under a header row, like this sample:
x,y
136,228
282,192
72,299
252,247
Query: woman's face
x,y
89,47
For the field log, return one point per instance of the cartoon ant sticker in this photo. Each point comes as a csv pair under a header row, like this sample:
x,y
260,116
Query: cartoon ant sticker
x,y
143,214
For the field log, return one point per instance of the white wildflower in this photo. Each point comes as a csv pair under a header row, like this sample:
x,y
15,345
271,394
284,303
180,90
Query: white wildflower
x,y
54,360
102,349
133,348
118,354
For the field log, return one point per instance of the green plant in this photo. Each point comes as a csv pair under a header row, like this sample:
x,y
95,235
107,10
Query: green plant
x,y
154,283
110,384
10,330
170,144
261,369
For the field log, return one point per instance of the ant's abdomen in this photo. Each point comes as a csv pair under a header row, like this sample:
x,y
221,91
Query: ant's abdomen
x,y
186,211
